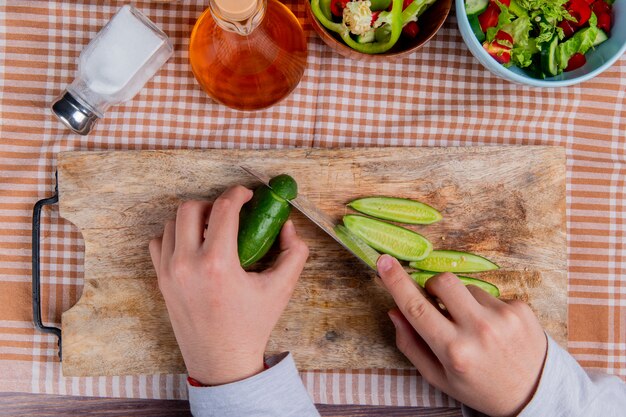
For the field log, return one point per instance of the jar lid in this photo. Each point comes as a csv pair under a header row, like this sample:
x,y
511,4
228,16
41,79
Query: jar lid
x,y
73,114
236,9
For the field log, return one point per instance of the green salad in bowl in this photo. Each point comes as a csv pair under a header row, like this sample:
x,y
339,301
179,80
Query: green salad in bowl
x,y
543,37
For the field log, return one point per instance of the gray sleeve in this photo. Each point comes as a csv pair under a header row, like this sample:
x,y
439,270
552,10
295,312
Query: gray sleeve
x,y
277,391
566,390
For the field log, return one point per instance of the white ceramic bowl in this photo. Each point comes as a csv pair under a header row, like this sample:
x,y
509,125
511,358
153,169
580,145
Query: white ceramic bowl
x,y
598,60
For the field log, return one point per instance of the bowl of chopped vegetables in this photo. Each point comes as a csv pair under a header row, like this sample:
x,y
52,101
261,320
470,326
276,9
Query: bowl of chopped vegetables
x,y
377,30
544,43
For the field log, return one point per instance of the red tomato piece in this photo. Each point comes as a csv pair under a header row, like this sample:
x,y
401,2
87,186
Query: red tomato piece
x,y
406,4
411,29
507,3
568,28
489,18
604,22
500,53
576,61
374,17
579,10
504,36
600,7
337,6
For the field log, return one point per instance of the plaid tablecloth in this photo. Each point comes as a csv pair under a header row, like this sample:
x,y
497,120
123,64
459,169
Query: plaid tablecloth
x,y
440,96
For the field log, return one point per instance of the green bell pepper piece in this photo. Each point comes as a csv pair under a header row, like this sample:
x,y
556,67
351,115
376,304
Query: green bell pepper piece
x,y
378,5
395,16
415,10
325,9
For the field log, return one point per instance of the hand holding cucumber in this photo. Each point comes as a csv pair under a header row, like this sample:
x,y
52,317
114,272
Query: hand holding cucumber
x,y
486,353
222,315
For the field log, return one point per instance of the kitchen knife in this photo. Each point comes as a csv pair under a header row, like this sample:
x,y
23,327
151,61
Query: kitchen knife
x,y
352,243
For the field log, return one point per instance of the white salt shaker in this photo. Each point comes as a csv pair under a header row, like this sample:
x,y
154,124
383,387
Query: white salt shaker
x,y
112,69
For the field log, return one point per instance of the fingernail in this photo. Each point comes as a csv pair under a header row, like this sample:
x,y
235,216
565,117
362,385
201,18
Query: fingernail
x,y
385,263
394,319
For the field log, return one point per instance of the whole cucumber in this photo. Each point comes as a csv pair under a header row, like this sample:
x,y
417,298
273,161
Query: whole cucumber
x,y
262,218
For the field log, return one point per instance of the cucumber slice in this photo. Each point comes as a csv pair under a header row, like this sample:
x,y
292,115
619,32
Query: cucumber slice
x,y
383,33
367,37
454,261
401,243
600,37
548,56
284,186
475,6
357,245
400,210
422,277
475,25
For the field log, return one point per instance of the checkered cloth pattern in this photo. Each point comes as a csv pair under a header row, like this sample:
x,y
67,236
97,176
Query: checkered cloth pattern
x,y
439,96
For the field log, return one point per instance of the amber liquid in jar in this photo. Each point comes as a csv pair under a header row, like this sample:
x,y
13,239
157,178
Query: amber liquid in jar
x,y
249,72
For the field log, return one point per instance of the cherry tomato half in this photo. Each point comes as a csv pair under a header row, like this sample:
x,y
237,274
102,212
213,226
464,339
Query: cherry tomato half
x,y
500,53
579,10
600,7
337,6
568,28
489,18
410,30
604,22
576,61
504,36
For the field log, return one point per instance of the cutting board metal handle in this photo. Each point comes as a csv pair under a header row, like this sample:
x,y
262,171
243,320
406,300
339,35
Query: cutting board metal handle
x,y
36,264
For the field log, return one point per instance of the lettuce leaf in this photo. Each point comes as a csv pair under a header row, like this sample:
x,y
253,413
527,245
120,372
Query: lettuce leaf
x,y
581,42
519,29
522,55
552,10
546,14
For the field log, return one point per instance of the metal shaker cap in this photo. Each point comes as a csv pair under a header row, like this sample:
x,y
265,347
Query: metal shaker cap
x,y
73,114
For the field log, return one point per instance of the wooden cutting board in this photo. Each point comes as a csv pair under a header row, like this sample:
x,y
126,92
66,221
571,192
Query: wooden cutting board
x,y
506,203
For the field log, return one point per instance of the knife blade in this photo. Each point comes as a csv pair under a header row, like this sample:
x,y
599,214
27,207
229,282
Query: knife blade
x,y
348,240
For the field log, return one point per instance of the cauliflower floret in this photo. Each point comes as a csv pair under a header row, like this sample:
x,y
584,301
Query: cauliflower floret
x,y
357,16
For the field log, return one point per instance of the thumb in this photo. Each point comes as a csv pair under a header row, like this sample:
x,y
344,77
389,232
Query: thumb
x,y
290,262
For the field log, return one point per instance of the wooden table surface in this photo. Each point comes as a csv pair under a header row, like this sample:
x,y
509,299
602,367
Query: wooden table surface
x,y
38,405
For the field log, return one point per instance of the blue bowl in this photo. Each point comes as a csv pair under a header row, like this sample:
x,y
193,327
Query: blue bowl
x,y
598,59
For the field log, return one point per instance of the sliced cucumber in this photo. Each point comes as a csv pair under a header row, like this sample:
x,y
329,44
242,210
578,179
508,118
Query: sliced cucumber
x,y
475,25
454,261
422,277
367,37
549,63
475,7
401,243
600,37
382,33
400,210
357,245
